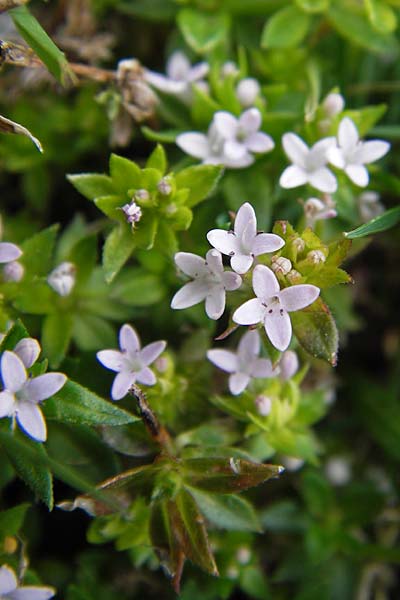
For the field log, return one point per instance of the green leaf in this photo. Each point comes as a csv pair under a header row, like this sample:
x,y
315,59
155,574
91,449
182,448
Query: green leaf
x,y
203,31
166,136
125,174
11,520
316,331
224,475
385,221
111,206
313,6
76,404
138,288
91,332
201,180
382,17
56,336
36,37
28,459
226,510
92,185
117,249
355,26
157,160
286,28
13,336
38,252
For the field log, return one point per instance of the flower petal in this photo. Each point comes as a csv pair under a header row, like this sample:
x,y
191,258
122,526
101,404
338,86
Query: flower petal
x,y
8,580
234,150
249,347
224,241
13,371
266,242
358,174
128,339
6,407
28,349
249,313
121,384
165,84
223,359
295,149
250,120
324,180
146,377
31,420
292,177
335,157
178,66
238,382
111,359
318,153
33,592
191,264
265,283
261,367
195,144
245,221
198,71
241,263
231,281
347,134
44,386
288,364
151,352
9,252
246,160
225,124
214,262
298,296
259,142
215,302
279,329
190,294
372,151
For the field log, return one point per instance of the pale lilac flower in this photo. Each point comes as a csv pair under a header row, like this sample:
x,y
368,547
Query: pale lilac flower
x,y
351,154
180,75
244,243
11,590
288,365
210,282
272,306
13,271
309,164
9,252
243,365
62,279
22,395
317,210
131,362
133,212
247,91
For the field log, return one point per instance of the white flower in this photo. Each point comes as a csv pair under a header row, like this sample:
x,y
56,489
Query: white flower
x,y
21,395
309,164
62,279
9,252
131,363
180,76
316,210
11,590
133,212
229,141
210,282
247,91
352,154
244,364
288,365
244,243
272,305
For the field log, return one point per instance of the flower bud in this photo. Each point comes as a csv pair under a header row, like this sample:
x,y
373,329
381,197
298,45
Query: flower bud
x,y
164,186
294,277
289,365
338,471
13,271
263,405
232,572
62,279
141,195
247,91
333,104
369,206
229,68
312,207
316,257
281,265
292,463
243,555
298,244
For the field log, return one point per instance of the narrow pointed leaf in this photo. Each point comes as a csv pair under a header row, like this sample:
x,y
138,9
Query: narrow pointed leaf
x,y
388,219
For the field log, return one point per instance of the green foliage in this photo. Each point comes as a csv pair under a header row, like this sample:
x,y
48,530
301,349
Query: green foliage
x,y
286,29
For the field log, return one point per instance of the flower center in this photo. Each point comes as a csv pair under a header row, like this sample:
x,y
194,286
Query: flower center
x,y
273,306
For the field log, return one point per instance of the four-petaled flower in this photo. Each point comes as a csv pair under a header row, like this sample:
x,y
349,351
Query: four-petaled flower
x,y
21,395
244,364
230,141
244,243
131,362
11,590
351,154
272,305
309,164
210,282
9,252
180,76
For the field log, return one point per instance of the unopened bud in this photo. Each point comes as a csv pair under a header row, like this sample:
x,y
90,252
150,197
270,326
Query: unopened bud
x,y
13,271
243,555
232,572
141,195
292,463
247,91
263,405
294,277
62,278
369,206
161,364
298,244
316,257
133,212
289,364
229,68
281,265
312,207
333,104
164,186
338,471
